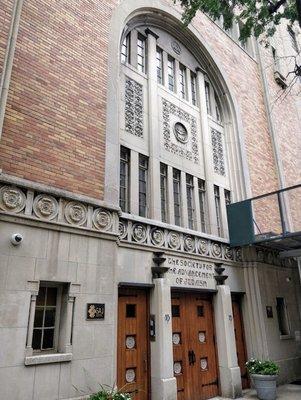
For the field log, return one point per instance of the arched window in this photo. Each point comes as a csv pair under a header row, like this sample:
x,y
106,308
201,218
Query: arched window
x,y
173,150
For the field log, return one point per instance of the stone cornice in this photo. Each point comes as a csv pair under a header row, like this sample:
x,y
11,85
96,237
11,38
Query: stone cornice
x,y
39,187
47,206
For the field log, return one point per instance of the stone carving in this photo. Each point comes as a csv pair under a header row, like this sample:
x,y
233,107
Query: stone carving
x,y
228,253
157,237
76,213
122,229
133,107
12,199
216,250
130,342
238,254
179,149
45,207
189,243
139,233
176,47
218,152
102,219
130,375
177,368
203,246
174,240
181,133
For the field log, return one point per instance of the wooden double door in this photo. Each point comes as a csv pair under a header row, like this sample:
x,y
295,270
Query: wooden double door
x,y
194,350
133,343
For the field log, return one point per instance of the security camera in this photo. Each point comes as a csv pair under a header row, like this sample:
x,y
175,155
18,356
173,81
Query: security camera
x,y
16,239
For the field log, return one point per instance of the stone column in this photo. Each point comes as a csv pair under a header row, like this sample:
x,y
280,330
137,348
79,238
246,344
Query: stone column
x,y
229,371
32,309
163,382
207,153
153,127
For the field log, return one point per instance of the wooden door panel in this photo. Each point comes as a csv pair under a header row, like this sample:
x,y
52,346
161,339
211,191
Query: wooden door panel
x,y
202,337
132,357
240,342
180,345
194,346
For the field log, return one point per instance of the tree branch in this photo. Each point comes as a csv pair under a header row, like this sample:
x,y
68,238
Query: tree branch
x,y
274,7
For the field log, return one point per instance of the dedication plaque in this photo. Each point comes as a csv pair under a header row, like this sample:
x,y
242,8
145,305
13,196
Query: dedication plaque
x,y
95,311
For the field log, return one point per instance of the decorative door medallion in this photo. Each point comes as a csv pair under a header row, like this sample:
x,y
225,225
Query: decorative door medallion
x,y
195,360
240,341
132,357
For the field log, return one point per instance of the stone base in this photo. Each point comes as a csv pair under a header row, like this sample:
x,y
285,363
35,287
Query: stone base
x,y
230,382
164,389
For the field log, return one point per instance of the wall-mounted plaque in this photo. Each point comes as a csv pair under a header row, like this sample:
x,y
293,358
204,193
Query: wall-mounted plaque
x,y
95,311
269,311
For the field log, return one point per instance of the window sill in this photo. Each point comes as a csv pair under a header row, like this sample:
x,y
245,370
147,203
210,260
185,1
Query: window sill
x,y
48,358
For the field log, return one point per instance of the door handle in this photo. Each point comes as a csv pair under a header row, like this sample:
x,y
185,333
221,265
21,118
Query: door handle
x,y
191,357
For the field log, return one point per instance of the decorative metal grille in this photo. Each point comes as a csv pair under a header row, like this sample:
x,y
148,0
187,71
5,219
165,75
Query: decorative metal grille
x,y
133,107
218,152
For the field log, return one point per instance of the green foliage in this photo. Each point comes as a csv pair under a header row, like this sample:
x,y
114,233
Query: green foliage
x,y
110,394
265,367
254,16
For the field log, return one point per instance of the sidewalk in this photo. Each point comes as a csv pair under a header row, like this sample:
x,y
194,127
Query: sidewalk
x,y
285,392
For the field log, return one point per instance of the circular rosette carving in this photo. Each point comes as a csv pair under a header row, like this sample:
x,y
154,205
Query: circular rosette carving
x,y
139,233
180,132
45,206
174,240
228,253
122,229
157,237
76,213
189,243
102,219
238,254
203,246
216,250
12,199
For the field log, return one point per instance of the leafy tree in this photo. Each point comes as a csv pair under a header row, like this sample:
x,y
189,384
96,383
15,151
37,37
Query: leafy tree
x,y
254,17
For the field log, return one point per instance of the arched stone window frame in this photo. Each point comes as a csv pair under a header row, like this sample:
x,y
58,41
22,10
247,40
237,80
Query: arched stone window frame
x,y
156,13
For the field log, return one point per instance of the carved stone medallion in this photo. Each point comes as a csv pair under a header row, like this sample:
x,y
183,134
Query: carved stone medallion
x,y
189,243
176,47
122,229
12,199
157,237
139,233
180,132
130,342
130,375
216,250
228,253
202,337
177,368
174,240
45,206
203,246
176,338
204,364
102,219
76,213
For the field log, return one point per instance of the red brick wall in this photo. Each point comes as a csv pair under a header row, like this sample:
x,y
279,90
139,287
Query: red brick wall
x,y
54,130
